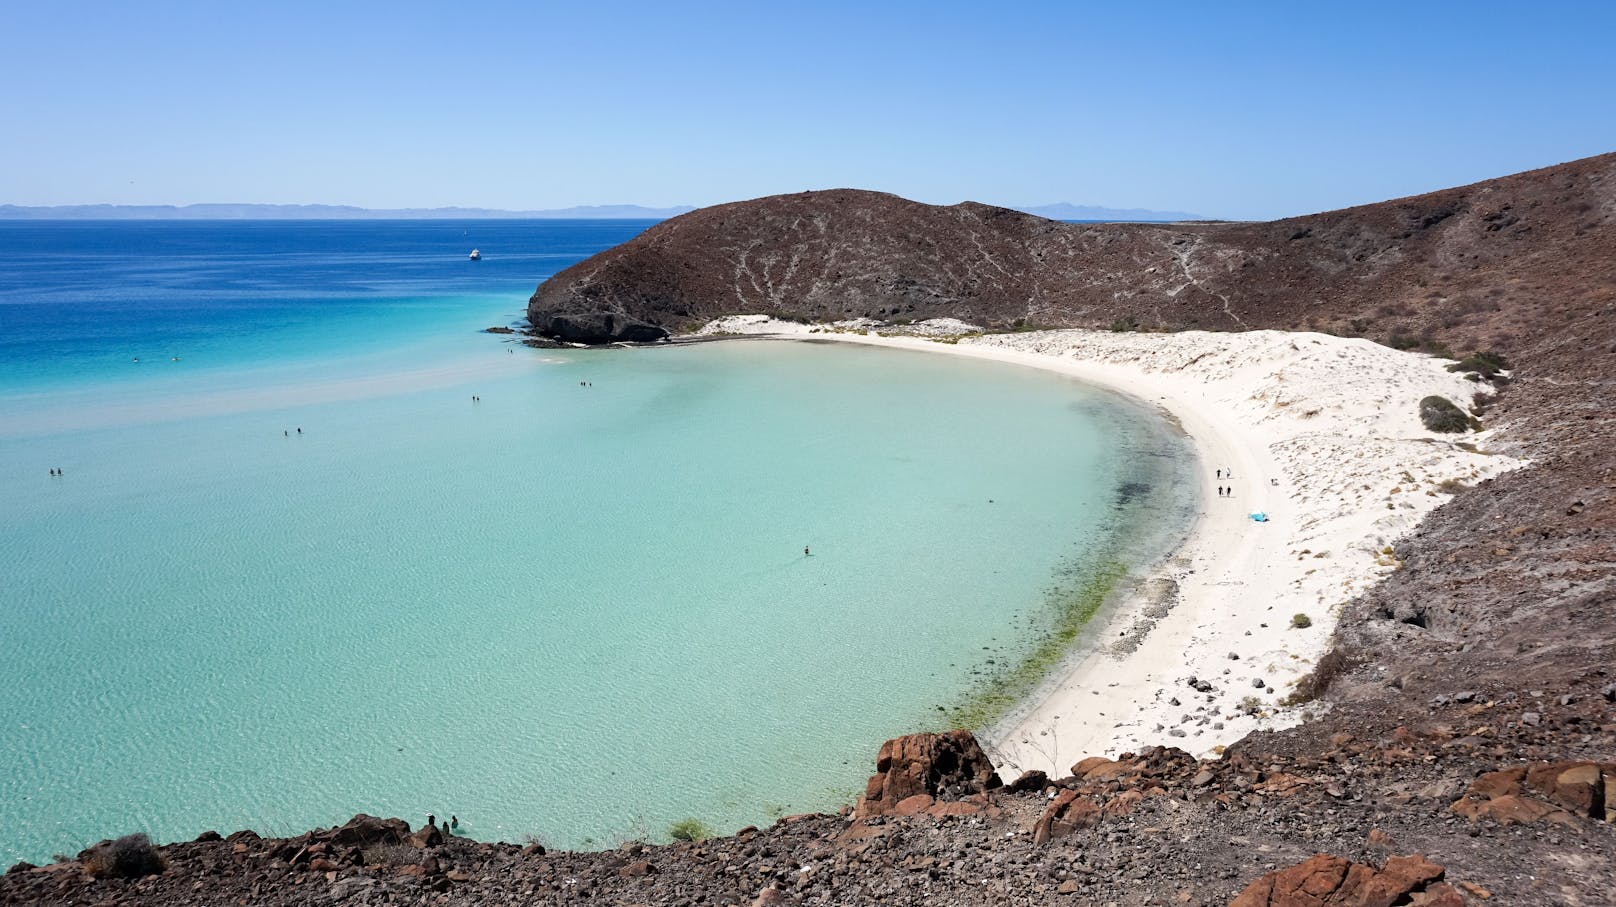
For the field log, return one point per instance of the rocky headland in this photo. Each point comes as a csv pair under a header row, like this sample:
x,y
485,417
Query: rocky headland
x,y
1468,750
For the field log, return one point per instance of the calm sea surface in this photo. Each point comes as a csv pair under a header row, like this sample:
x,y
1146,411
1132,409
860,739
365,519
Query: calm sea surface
x,y
578,609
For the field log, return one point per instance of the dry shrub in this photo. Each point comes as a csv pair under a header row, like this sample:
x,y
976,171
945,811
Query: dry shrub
x,y
1314,684
129,857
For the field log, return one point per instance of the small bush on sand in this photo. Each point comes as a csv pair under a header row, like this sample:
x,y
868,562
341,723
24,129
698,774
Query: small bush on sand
x,y
129,857
1124,324
1438,413
1313,684
691,830
1301,621
1486,364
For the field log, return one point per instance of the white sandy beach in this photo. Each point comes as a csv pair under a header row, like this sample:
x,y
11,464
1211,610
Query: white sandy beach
x,y
1320,433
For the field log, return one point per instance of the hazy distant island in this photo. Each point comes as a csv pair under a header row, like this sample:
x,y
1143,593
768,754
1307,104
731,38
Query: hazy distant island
x,y
1058,211
326,212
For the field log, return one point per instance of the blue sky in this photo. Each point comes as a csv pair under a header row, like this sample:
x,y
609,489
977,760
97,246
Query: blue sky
x,y
1232,109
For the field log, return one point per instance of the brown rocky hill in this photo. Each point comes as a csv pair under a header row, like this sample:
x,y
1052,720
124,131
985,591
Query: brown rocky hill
x,y
1478,266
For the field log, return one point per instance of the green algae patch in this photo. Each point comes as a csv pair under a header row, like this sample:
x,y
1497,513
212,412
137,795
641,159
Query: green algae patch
x,y
1008,685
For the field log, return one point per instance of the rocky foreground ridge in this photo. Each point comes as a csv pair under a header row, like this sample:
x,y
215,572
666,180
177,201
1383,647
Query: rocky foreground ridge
x,y
1468,751
1411,817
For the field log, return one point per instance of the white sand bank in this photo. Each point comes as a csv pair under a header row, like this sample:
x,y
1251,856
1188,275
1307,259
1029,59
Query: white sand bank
x,y
1320,433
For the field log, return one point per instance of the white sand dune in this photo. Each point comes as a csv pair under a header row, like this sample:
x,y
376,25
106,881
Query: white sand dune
x,y
1320,433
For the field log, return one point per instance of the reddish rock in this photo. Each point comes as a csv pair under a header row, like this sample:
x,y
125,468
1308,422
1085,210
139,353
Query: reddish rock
x,y
941,766
637,869
367,831
955,808
1068,812
1281,784
1324,880
913,806
1033,780
772,897
1082,768
428,836
1542,791
1125,802
1110,771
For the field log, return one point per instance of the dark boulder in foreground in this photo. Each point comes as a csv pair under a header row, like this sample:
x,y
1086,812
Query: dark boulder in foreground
x,y
915,771
595,327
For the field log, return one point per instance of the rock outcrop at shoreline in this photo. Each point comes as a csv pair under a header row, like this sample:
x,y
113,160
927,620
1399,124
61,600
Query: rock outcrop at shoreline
x,y
1358,821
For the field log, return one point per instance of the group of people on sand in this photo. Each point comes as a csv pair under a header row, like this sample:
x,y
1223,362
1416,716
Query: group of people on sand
x,y
1225,491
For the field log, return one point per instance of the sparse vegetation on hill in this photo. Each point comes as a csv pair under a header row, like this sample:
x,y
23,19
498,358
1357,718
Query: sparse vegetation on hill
x,y
128,857
1441,414
1486,364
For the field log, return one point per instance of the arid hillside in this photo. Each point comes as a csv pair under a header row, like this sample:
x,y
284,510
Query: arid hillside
x,y
1480,266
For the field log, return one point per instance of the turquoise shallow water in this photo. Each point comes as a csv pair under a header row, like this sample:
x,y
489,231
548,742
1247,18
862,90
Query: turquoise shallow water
x,y
577,612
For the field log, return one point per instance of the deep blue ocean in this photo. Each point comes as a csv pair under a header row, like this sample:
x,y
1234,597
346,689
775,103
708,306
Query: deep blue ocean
x,y
321,546
81,301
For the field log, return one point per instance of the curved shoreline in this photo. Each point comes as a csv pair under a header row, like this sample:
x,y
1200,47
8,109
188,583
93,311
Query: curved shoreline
x,y
1321,434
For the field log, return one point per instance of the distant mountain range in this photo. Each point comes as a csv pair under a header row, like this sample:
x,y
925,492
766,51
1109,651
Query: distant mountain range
x,y
1069,211
1062,211
323,212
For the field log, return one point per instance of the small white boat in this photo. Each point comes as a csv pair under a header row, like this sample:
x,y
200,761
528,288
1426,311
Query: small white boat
x,y
476,255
